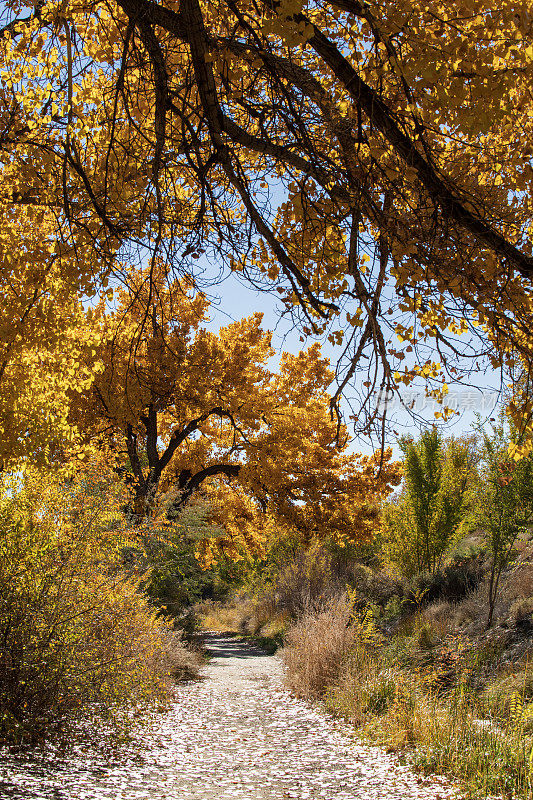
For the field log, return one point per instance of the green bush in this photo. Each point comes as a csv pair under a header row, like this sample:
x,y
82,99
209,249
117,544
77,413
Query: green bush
x,y
175,580
452,582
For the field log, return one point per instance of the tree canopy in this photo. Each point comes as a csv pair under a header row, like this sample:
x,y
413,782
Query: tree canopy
x,y
371,161
183,406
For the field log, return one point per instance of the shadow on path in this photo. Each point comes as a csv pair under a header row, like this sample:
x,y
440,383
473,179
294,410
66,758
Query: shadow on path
x,y
224,645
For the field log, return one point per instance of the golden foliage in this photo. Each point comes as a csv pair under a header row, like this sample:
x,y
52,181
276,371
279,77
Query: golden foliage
x,y
342,152
188,407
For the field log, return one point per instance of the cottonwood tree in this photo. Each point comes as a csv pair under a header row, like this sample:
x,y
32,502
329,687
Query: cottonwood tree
x,y
47,340
187,406
370,160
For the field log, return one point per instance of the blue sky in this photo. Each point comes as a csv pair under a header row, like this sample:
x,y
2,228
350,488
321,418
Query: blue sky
x,y
236,300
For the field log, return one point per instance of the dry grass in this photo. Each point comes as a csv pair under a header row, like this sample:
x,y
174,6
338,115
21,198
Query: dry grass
x,y
448,738
309,580
315,648
216,616
238,615
242,616
518,583
515,585
401,701
473,608
439,616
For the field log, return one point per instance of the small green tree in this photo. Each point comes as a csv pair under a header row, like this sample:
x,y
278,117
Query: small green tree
x,y
504,506
167,556
420,525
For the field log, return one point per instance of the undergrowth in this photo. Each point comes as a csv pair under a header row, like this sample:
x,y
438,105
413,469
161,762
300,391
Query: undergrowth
x,y
414,693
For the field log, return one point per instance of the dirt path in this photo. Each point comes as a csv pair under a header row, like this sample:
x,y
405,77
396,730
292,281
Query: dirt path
x,y
236,734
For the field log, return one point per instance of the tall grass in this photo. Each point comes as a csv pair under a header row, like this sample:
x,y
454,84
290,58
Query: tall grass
x,y
316,646
492,761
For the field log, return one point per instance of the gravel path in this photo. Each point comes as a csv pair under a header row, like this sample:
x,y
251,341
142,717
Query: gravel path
x,y
237,734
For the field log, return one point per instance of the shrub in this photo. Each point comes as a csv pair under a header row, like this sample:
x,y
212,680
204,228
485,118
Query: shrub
x,y
76,635
472,608
517,583
175,580
377,586
453,582
308,581
522,612
319,573
400,708
173,660
505,503
440,616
